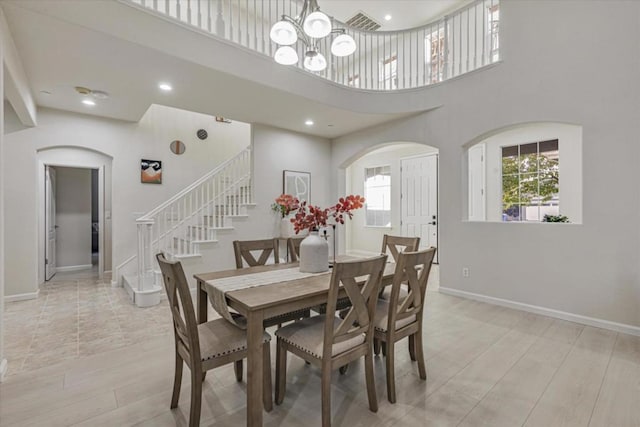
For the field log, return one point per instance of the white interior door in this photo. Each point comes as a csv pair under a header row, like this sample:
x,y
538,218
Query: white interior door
x,y
419,197
50,222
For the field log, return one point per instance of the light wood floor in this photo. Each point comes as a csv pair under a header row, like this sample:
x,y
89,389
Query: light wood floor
x,y
487,366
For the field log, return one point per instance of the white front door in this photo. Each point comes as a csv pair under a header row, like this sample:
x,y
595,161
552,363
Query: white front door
x,y
419,197
50,221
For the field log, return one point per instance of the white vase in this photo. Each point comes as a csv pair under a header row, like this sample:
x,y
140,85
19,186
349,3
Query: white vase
x,y
314,254
286,228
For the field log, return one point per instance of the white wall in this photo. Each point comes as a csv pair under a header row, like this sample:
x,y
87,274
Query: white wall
x,y
71,135
551,72
12,122
276,150
73,217
3,361
359,237
570,165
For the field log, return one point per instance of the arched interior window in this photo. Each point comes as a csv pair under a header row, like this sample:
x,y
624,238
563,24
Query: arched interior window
x,y
527,173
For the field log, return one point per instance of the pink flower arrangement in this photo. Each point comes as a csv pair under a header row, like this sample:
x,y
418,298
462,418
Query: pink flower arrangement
x,y
313,217
285,204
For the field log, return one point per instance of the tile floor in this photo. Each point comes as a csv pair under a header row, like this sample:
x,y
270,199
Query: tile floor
x,y
76,315
487,366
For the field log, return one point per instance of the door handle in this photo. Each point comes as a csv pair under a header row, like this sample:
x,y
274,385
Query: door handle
x,y
432,223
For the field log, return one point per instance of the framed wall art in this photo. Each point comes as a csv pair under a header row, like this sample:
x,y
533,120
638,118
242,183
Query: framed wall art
x,y
150,171
298,184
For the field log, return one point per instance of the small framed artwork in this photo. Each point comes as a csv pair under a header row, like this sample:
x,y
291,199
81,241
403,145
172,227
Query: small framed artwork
x,y
150,171
298,184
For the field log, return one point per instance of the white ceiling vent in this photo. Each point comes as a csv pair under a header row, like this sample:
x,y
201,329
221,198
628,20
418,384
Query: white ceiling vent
x,y
361,21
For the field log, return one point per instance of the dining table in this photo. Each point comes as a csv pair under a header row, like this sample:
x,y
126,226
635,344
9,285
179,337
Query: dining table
x,y
261,302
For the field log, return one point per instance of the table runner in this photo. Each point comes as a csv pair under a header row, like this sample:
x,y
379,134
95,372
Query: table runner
x,y
219,288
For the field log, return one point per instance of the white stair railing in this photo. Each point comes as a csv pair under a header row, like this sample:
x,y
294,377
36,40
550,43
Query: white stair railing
x,y
460,42
193,215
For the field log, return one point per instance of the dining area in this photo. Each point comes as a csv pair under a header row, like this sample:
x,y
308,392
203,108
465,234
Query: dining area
x,y
335,321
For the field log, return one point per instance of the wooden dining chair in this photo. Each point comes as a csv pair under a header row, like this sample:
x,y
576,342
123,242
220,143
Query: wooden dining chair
x,y
243,251
203,346
293,248
394,245
330,342
401,316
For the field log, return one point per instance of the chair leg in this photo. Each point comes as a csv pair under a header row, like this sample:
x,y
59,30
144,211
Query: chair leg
x,y
326,396
371,385
391,375
237,368
267,399
412,348
376,346
196,398
422,369
177,381
281,371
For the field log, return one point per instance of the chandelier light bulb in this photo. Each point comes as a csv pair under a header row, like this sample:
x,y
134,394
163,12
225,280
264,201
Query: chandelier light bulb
x,y
283,33
317,25
314,61
286,55
343,45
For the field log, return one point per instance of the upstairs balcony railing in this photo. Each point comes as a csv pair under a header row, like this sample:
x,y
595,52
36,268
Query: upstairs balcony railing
x,y
462,41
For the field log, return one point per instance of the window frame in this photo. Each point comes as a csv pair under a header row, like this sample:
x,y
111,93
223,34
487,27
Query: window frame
x,y
383,168
521,176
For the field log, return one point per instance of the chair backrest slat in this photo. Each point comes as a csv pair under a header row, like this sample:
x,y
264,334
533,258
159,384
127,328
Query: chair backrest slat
x,y
361,282
243,251
185,327
398,244
412,269
293,246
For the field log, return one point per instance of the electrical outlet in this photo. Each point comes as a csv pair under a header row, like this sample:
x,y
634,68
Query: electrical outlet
x,y
465,272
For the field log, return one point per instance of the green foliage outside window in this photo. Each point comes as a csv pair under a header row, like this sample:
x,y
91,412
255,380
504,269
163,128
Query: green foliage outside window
x,y
526,177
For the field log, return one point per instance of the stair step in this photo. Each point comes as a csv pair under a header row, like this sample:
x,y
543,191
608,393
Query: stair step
x,y
145,298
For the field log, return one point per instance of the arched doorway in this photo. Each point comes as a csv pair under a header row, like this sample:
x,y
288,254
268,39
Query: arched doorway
x,y
400,182
76,161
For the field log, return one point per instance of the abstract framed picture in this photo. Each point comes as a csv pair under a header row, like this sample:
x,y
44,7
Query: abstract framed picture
x,y
150,171
296,183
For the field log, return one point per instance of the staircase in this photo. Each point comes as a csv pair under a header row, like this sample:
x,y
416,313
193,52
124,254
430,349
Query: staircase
x,y
184,224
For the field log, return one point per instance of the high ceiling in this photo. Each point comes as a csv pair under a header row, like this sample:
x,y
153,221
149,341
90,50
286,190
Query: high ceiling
x,y
404,13
60,51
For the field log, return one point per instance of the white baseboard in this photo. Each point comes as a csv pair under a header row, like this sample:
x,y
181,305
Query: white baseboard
x,y
74,267
22,297
4,366
577,318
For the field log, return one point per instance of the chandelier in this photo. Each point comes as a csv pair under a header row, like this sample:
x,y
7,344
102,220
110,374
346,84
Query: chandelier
x,y
310,26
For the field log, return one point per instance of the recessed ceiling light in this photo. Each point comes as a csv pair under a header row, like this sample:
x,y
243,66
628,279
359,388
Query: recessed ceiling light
x,y
309,122
165,87
88,102
387,17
